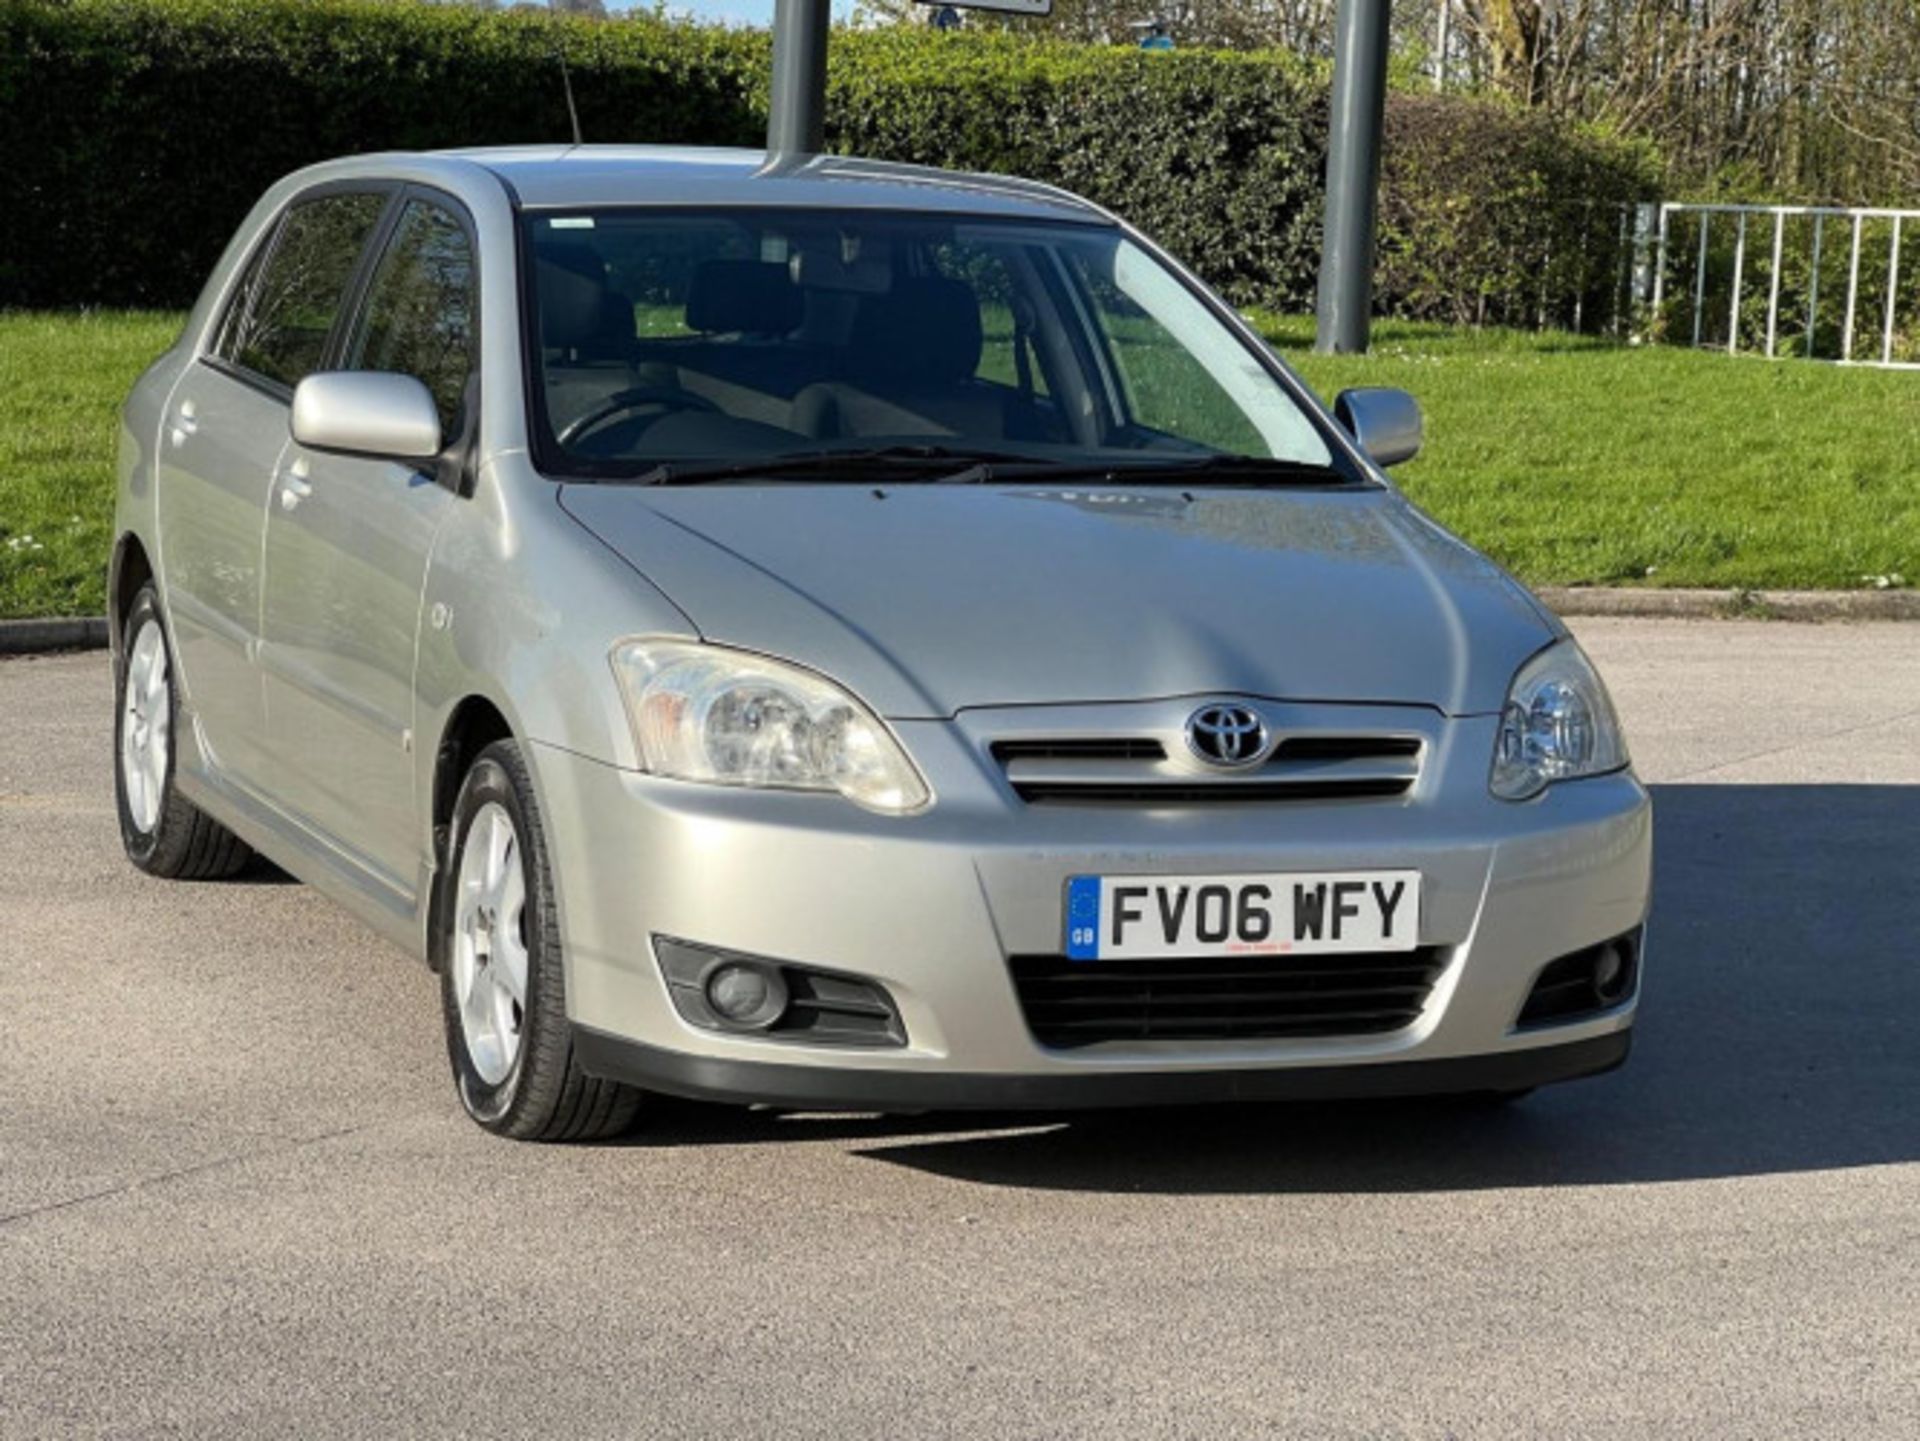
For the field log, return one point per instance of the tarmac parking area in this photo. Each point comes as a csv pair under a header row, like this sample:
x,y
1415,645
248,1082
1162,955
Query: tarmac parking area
x,y
237,1195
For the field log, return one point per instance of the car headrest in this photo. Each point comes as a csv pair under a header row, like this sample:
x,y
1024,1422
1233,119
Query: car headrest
x,y
925,331
578,311
754,297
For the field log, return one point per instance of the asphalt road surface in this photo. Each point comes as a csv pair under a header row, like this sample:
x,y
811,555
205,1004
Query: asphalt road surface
x,y
237,1196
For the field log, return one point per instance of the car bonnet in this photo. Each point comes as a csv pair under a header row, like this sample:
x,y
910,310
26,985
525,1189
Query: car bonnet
x,y
928,600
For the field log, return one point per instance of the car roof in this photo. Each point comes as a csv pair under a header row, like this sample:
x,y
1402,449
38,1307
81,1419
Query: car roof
x,y
580,176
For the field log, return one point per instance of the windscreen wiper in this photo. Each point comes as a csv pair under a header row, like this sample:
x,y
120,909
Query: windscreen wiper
x,y
980,466
890,458
1250,469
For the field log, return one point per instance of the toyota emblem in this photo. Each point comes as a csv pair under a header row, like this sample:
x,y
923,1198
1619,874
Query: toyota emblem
x,y
1227,735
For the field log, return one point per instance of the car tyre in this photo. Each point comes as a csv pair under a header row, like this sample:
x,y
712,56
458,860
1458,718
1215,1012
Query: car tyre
x,y
165,834
502,984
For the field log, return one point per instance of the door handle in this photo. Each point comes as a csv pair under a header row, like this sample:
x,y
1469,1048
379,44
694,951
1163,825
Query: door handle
x,y
294,486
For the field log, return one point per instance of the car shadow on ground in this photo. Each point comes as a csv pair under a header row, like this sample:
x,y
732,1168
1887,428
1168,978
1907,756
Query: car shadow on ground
x,y
259,871
1776,1034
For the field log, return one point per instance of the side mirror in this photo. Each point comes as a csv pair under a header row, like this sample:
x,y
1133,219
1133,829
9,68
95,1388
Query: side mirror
x,y
1386,423
366,412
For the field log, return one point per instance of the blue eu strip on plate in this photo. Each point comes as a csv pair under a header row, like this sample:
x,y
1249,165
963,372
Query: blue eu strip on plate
x,y
1083,918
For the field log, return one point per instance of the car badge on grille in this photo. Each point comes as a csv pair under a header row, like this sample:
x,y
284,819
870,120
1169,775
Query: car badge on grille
x,y
1227,735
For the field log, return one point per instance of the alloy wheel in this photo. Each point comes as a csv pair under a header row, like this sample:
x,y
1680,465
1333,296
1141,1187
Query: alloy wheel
x,y
490,943
146,726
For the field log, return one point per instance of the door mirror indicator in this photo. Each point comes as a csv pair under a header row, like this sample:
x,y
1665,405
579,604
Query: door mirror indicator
x,y
366,412
1386,423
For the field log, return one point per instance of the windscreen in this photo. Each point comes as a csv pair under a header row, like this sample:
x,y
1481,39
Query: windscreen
x,y
672,336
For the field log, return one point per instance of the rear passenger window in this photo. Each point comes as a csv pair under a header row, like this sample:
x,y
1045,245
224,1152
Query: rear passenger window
x,y
418,318
283,334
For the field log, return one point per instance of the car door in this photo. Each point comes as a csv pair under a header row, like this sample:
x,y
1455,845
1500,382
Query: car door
x,y
347,545
224,432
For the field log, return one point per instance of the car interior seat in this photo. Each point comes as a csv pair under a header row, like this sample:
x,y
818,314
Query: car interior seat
x,y
911,363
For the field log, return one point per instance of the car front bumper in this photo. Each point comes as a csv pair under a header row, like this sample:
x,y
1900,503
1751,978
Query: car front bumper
x,y
931,906
830,1088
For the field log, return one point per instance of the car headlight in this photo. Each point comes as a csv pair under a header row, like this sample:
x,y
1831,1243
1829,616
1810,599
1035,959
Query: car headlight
x,y
1558,724
727,717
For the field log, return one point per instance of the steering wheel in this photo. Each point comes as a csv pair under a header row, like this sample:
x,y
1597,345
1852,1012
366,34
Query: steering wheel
x,y
638,398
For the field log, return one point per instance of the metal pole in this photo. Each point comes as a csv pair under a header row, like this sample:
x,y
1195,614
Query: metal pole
x,y
1660,265
1700,280
1813,286
1540,299
1853,292
1623,270
1739,264
1893,285
1580,268
797,110
1773,287
1353,176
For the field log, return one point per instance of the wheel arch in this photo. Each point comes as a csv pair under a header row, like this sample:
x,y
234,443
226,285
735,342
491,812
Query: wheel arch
x,y
474,723
127,571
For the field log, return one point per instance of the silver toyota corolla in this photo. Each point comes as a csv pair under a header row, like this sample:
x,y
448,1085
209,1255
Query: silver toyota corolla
x,y
843,635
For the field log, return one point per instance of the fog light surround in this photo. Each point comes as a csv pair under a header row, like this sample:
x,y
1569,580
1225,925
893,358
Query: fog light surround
x,y
1584,984
759,998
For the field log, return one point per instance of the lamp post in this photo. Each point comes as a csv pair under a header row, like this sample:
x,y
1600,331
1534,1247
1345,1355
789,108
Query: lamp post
x,y
1358,115
797,108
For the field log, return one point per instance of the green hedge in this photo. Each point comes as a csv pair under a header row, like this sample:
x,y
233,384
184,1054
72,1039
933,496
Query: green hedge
x,y
139,131
1220,157
1490,215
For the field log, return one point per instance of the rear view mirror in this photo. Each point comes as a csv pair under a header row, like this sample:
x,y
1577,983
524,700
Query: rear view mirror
x,y
1386,423
367,412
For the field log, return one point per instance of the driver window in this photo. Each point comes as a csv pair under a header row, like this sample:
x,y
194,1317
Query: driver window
x,y
418,318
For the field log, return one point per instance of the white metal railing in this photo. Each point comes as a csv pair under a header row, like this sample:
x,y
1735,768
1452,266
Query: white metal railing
x,y
1857,217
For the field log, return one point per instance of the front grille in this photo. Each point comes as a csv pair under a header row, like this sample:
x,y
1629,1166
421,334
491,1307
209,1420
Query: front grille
x,y
1080,748
1186,793
1138,771
1223,998
1345,748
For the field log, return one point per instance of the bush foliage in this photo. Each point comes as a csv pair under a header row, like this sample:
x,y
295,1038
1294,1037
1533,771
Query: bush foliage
x,y
140,131
1505,216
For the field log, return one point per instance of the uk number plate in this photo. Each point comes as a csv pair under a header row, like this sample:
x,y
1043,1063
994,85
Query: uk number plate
x,y
1298,913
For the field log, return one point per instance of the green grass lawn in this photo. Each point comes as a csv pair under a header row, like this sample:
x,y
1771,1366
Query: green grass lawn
x,y
1578,462
1572,461
62,378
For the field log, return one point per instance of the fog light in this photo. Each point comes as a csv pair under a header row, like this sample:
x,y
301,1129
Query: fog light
x,y
742,994
1611,974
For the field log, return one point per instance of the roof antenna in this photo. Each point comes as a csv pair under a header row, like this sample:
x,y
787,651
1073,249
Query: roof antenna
x,y
566,80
